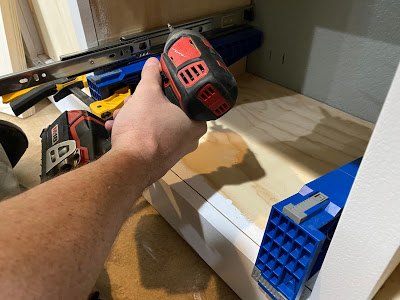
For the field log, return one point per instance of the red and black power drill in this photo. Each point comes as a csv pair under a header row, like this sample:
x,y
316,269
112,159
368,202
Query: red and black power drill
x,y
194,77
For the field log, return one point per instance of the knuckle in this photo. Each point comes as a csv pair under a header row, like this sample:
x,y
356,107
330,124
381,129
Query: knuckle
x,y
154,87
194,146
201,128
128,98
115,113
149,87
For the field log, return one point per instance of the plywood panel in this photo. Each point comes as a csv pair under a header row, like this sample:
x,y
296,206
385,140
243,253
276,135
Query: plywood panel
x,y
267,148
11,46
115,18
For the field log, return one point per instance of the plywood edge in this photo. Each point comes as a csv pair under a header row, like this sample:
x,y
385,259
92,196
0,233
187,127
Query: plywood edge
x,y
390,289
239,67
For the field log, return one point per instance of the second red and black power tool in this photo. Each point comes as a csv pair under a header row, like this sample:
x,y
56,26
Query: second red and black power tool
x,y
195,76
76,138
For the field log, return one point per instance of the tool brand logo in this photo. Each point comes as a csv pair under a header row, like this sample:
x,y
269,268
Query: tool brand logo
x,y
177,52
54,135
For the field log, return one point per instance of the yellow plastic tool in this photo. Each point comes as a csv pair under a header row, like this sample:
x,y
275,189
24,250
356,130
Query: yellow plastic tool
x,y
13,96
77,79
104,108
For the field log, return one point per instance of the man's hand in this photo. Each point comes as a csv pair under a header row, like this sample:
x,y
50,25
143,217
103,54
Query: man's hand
x,y
151,129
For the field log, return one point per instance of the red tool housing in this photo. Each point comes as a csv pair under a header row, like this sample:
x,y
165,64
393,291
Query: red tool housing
x,y
196,78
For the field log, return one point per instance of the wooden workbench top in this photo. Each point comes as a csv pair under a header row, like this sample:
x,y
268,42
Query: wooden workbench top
x,y
267,148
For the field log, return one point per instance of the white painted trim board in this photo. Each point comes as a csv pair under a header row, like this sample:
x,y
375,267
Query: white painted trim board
x,y
366,246
223,246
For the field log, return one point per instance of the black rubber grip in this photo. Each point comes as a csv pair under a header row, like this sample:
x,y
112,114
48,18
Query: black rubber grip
x,y
67,90
33,97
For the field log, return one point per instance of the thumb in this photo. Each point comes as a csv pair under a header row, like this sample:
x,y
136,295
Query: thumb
x,y
151,72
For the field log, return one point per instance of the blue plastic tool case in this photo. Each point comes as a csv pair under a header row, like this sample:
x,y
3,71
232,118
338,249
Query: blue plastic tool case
x,y
298,234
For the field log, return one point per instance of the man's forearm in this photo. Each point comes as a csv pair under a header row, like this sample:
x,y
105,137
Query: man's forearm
x,y
55,238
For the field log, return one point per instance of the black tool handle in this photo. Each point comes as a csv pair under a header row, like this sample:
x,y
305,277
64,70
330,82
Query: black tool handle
x,y
81,95
33,97
75,89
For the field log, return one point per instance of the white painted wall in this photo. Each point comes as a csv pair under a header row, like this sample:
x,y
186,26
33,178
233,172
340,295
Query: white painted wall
x,y
366,245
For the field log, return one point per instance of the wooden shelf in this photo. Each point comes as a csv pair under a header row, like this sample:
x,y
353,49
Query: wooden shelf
x,y
266,149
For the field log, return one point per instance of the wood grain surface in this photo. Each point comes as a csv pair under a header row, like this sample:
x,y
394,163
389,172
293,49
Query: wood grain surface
x,y
118,17
12,48
268,147
390,290
56,27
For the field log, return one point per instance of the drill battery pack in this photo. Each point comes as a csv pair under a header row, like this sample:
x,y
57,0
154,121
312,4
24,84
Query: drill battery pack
x,y
74,139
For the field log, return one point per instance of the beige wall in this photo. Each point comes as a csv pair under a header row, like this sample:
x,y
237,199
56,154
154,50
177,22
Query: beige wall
x,y
115,18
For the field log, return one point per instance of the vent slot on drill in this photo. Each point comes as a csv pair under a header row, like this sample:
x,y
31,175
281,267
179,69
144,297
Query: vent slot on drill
x,y
185,80
192,73
213,100
201,68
